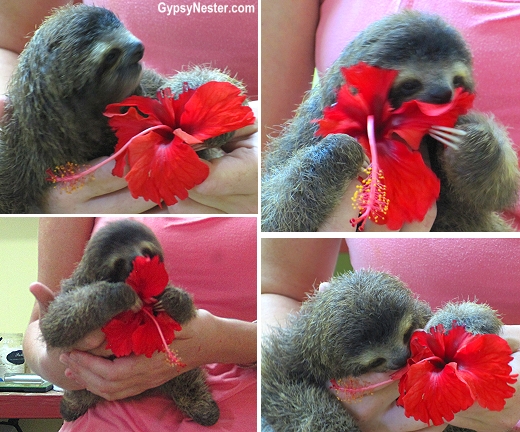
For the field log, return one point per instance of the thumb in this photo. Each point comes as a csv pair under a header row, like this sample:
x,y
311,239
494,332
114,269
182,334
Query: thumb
x,y
3,101
44,296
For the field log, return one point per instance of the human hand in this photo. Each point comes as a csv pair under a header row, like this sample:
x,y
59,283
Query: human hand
x,y
484,420
104,193
339,220
3,101
44,296
131,375
378,412
232,184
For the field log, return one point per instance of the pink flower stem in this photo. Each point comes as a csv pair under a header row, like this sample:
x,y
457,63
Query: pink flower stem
x,y
172,358
90,170
359,391
373,175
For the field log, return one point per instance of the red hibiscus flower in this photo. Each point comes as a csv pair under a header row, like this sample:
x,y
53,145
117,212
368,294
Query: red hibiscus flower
x,y
144,331
158,139
400,187
448,372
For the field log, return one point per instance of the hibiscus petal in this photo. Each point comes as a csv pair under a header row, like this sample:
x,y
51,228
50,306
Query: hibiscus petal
x,y
373,86
412,120
424,345
349,113
488,374
148,277
164,171
411,187
146,339
154,110
426,399
118,332
215,108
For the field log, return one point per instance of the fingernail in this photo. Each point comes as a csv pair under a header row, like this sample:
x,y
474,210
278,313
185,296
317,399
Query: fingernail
x,y
64,358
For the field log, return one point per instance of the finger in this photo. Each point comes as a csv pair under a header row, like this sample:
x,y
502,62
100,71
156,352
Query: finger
x,y
95,373
245,132
251,142
3,101
100,193
511,333
247,136
339,220
44,296
235,173
190,206
422,226
95,340
324,286
371,226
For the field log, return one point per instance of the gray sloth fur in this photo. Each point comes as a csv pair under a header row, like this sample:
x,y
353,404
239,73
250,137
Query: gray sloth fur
x,y
96,293
362,322
304,176
79,60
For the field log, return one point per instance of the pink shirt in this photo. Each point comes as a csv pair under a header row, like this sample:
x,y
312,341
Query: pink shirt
x,y
215,260
490,27
224,40
442,270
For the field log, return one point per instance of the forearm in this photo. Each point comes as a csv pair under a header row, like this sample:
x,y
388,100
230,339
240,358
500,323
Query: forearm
x,y
8,62
231,341
275,310
291,268
209,339
43,362
287,67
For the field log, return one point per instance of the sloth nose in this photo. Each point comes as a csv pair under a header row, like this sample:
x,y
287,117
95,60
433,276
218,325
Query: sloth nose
x,y
135,51
440,95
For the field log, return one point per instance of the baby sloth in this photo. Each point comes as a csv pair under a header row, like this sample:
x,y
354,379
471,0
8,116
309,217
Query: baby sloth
x,y
305,176
96,293
361,323
79,60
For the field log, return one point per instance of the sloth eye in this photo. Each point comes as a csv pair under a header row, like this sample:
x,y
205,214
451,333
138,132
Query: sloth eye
x,y
112,57
410,87
458,81
377,362
407,336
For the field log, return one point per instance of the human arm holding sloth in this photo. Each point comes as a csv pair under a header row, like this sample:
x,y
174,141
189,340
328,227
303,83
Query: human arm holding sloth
x,y
199,342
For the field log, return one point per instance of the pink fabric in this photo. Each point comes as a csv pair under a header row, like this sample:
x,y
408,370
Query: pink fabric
x,y
215,260
441,270
490,27
221,40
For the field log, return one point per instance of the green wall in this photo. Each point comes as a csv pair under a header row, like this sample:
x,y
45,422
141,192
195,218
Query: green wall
x,y
18,269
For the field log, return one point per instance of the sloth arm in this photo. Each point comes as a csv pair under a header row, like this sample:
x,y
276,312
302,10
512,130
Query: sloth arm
x,y
292,268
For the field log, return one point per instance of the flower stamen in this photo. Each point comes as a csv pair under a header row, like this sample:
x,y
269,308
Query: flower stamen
x,y
370,197
67,175
171,357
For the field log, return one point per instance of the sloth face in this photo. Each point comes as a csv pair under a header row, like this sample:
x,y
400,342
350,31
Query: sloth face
x,y
110,253
89,54
118,71
393,353
430,82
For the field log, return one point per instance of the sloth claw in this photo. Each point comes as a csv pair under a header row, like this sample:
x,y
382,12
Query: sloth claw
x,y
450,137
